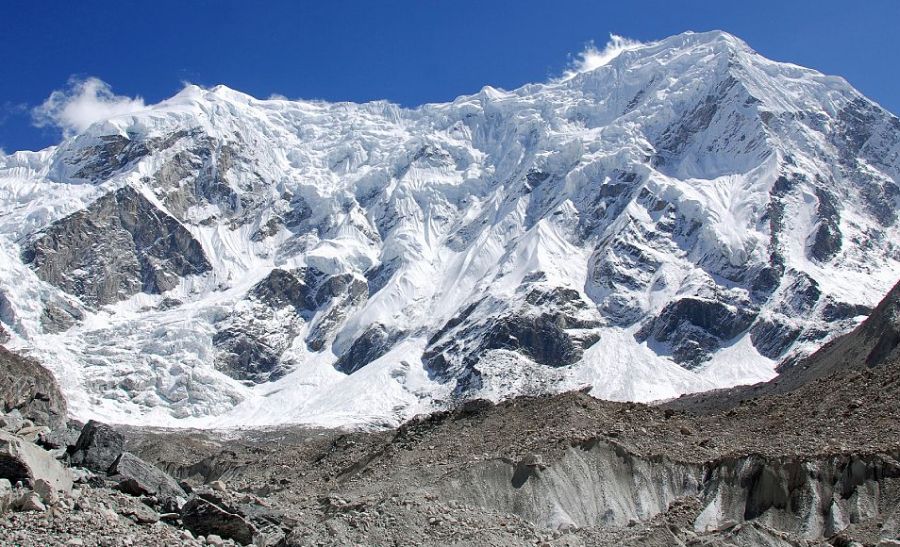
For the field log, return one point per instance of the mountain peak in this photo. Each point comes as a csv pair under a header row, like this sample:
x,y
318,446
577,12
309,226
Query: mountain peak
x,y
672,220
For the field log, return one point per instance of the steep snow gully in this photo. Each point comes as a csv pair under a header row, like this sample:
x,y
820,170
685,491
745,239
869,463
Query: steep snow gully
x,y
684,217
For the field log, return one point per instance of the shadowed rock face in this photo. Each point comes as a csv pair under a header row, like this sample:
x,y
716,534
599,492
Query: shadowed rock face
x,y
552,327
254,337
114,153
119,246
371,345
827,240
693,328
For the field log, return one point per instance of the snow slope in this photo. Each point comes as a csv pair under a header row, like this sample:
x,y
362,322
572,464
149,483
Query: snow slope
x,y
684,216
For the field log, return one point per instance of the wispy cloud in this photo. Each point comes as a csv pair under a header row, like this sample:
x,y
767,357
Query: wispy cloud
x,y
592,57
9,109
82,103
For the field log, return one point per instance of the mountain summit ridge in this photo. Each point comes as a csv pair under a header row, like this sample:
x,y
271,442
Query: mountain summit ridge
x,y
683,217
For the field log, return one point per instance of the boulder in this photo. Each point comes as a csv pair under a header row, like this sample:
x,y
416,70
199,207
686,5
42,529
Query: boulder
x,y
46,491
23,461
204,518
138,478
31,389
139,513
97,447
6,495
29,501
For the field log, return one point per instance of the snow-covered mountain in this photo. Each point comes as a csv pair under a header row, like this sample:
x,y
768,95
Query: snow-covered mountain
x,y
686,216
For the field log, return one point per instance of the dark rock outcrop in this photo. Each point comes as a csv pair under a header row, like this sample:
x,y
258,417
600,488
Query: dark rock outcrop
x,y
253,339
59,316
282,288
98,447
875,341
553,327
118,246
197,176
252,343
372,344
692,328
543,338
826,241
772,338
203,517
138,478
31,389
110,155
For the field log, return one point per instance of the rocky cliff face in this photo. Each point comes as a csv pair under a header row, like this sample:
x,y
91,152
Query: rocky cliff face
x,y
682,218
118,246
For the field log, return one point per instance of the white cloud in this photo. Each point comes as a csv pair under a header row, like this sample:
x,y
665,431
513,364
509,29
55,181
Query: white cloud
x,y
82,103
592,58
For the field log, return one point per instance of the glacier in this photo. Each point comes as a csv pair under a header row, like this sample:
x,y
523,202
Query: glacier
x,y
685,215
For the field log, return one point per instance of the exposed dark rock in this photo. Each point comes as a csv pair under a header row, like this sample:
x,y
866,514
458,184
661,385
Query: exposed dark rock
x,y
31,389
839,311
801,296
267,230
379,276
543,338
119,246
4,335
7,314
253,340
882,199
453,323
768,278
114,153
826,242
203,517
138,478
98,447
282,288
693,328
535,178
617,269
873,342
198,177
553,327
337,294
298,213
169,303
772,338
340,285
59,316
252,343
246,355
371,345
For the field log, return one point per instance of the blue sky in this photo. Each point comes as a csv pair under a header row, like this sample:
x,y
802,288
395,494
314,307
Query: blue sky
x,y
409,52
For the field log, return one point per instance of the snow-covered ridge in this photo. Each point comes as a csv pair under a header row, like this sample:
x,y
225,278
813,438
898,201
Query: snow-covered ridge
x,y
684,216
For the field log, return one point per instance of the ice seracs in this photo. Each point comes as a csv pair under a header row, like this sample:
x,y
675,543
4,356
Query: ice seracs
x,y
685,215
